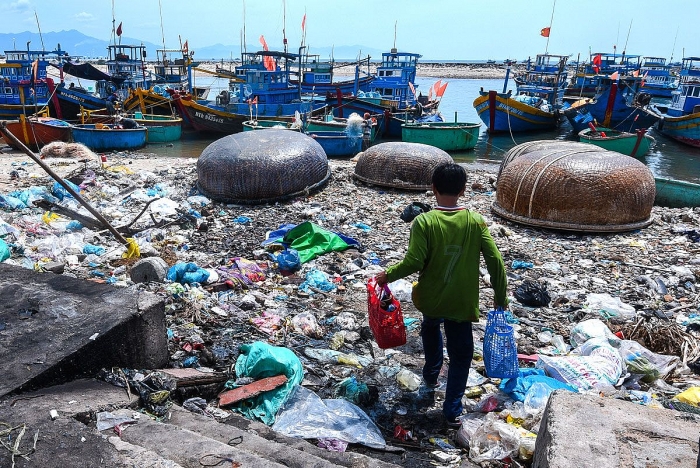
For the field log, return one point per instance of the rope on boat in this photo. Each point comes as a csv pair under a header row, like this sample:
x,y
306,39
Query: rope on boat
x,y
509,127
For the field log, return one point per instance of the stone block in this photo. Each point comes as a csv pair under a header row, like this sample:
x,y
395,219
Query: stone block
x,y
151,269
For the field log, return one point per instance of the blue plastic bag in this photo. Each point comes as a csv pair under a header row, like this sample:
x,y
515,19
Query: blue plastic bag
x,y
60,192
187,273
500,350
93,249
4,251
288,260
318,280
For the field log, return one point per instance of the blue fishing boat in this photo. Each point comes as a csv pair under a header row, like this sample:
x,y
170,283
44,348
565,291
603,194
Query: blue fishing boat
x,y
536,102
586,79
25,88
126,69
390,98
317,77
619,105
338,144
264,94
681,120
658,80
105,137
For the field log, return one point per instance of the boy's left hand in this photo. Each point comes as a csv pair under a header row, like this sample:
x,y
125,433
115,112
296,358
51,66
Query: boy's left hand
x,y
381,278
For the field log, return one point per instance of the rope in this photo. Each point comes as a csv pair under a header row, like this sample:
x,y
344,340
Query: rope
x,y
509,127
14,449
216,460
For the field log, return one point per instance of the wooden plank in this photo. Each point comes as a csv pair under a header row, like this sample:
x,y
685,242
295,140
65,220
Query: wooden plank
x,y
253,389
188,377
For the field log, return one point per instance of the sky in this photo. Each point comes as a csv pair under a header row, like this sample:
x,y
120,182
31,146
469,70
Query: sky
x,y
437,29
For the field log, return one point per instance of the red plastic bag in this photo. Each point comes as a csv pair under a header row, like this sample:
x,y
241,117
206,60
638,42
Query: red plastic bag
x,y
385,317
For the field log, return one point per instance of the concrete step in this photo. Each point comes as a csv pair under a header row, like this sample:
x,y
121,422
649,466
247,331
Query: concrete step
x,y
72,440
56,328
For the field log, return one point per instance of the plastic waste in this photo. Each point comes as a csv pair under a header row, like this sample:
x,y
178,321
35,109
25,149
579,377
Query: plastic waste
x,y
532,293
536,398
93,249
164,207
559,343
330,356
306,323
470,423
318,280
412,211
306,415
187,273
640,360
517,264
352,390
4,251
60,192
610,308
337,341
288,260
593,328
690,396
494,440
407,380
402,290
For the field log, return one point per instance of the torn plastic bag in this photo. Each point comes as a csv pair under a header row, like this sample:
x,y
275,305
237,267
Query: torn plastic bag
x,y
494,440
412,211
259,360
640,360
593,328
307,416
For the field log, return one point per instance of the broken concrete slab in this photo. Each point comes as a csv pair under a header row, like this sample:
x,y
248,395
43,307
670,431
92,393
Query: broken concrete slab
x,y
149,269
57,328
589,431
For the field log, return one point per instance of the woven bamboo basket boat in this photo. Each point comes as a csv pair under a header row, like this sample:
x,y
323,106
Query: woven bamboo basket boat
x,y
568,186
261,167
407,166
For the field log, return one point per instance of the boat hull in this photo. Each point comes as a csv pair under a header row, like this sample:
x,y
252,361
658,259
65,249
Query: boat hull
x,y
161,128
109,138
338,144
502,114
631,144
676,193
37,132
250,125
448,136
71,102
685,129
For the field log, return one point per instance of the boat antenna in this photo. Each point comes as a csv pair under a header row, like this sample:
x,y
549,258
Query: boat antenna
x,y
627,40
162,32
41,36
244,46
395,23
284,25
674,45
551,20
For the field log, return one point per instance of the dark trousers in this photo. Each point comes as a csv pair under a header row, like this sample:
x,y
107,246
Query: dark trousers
x,y
460,349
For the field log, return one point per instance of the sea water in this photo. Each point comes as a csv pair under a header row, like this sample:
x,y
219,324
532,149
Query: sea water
x,y
667,158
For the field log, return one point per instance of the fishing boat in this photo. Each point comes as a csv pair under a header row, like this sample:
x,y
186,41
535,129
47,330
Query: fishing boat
x,y
338,144
681,120
536,102
632,144
104,137
249,125
25,88
264,94
448,136
586,79
36,132
676,193
619,104
659,81
126,69
161,128
317,76
328,123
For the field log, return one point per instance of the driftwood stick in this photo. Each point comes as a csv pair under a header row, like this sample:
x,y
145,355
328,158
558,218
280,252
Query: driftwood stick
x,y
69,189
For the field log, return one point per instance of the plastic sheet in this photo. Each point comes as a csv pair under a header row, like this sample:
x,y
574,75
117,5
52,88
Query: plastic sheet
x,y
593,328
4,251
494,440
187,273
306,415
611,308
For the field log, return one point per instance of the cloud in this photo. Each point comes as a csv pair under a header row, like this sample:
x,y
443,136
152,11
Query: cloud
x,y
20,5
84,17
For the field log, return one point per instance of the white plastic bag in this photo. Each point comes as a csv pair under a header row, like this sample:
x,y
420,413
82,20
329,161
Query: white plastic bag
x,y
494,440
402,289
593,328
611,308
640,360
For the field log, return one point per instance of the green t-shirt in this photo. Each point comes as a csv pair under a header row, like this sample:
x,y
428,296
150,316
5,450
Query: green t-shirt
x,y
445,246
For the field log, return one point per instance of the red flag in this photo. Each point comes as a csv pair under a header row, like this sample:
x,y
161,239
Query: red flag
x,y
268,61
185,48
119,29
434,89
597,62
303,23
545,32
442,89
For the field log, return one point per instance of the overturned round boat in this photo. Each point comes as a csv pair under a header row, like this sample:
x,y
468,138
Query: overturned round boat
x,y
261,167
400,165
574,186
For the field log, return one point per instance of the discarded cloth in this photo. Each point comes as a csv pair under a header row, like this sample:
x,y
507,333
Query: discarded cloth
x,y
259,360
310,240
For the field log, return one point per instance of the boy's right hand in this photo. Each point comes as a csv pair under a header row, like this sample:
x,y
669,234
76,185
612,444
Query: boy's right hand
x,y
381,278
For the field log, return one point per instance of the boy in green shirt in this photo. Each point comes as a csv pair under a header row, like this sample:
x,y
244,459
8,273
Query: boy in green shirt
x,y
445,245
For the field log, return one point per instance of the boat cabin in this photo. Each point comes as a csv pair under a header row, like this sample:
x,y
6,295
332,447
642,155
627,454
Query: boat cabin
x,y
394,74
19,83
171,67
686,100
128,62
543,82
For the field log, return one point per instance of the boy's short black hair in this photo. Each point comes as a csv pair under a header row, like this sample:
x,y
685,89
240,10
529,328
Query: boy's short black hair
x,y
449,179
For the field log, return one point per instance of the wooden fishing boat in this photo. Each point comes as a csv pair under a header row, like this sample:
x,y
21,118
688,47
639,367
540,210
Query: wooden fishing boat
x,y
249,125
328,123
104,137
632,144
317,77
681,121
36,132
676,193
161,128
536,102
338,144
448,136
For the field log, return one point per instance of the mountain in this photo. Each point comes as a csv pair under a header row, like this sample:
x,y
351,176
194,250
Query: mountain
x,y
78,44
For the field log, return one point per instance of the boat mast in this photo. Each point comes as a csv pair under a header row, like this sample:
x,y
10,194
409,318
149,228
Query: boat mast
x,y
284,25
162,32
551,20
41,36
674,45
243,47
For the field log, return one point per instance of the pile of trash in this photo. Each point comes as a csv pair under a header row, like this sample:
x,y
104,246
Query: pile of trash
x,y
275,295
